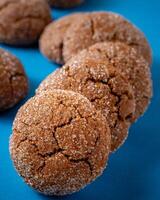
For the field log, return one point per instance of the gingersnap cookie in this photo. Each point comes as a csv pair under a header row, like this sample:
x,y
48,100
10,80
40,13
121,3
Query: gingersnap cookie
x,y
65,3
21,21
130,63
52,45
60,142
13,80
92,28
106,89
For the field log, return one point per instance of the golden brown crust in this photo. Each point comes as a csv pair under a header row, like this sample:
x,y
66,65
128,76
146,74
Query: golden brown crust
x,y
21,21
104,86
60,143
13,80
65,3
131,65
95,27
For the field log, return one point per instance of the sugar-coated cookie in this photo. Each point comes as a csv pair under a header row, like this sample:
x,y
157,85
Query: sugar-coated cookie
x,y
22,21
89,29
130,63
60,142
13,80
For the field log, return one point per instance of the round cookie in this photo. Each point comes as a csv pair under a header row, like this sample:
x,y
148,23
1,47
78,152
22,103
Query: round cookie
x,y
52,45
13,80
23,21
106,89
97,27
60,142
130,63
103,26
65,3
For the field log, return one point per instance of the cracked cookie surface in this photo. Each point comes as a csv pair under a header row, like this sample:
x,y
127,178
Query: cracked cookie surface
x,y
106,89
64,3
95,27
13,80
130,63
60,142
51,41
21,21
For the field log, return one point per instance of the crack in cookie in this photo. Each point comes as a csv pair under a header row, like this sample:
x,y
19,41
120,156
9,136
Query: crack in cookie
x,y
130,64
60,142
104,86
88,29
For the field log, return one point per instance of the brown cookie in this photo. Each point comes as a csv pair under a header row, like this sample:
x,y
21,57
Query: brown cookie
x,y
51,41
92,28
60,142
64,3
13,80
130,63
22,21
106,89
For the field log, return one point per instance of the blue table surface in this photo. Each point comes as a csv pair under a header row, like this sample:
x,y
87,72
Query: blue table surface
x,y
133,172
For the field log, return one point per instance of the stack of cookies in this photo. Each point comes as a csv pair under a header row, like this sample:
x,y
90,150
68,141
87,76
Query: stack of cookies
x,y
62,137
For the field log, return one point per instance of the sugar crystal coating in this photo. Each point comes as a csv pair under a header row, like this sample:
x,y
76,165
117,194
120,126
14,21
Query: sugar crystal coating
x,y
51,41
60,142
89,29
13,80
106,89
130,64
22,21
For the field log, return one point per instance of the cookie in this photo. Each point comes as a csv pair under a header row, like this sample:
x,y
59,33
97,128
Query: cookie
x,y
130,63
92,28
64,3
60,142
13,80
106,89
52,45
23,21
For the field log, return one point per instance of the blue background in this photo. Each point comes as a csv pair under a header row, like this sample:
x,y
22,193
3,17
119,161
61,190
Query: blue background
x,y
133,172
